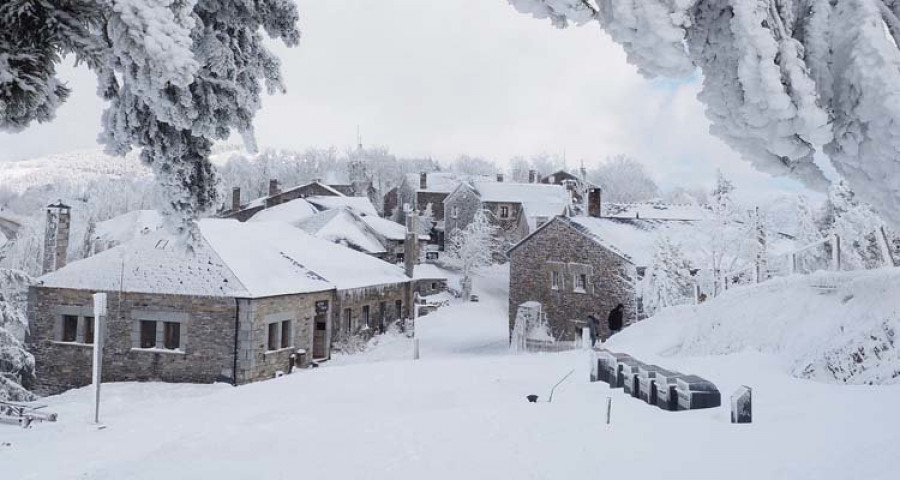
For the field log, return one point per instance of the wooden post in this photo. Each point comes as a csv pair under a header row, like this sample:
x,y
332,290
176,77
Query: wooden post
x,y
792,264
885,247
836,252
99,325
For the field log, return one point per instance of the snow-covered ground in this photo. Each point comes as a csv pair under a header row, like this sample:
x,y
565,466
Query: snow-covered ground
x,y
460,412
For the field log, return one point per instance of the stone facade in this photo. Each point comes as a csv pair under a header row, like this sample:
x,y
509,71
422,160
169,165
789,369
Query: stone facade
x,y
508,217
354,301
207,338
561,248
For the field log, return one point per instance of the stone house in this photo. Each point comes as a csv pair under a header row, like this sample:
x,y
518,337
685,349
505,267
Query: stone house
x,y
573,184
244,211
249,297
516,209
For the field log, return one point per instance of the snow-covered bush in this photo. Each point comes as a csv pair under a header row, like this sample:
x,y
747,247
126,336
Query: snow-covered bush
x,y
856,225
472,248
668,280
16,364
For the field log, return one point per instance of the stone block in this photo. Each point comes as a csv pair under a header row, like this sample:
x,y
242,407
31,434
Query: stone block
x,y
666,389
647,383
629,375
742,405
696,393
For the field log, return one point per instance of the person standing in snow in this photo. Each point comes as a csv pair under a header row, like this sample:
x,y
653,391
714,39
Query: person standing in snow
x,y
615,319
593,327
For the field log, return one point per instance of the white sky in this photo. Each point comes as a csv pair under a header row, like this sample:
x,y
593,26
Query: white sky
x,y
443,78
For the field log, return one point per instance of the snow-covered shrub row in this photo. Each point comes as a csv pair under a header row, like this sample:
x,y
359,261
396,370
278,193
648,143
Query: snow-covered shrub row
x,y
782,79
16,364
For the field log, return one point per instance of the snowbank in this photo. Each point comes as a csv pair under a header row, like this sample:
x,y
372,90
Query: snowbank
x,y
829,327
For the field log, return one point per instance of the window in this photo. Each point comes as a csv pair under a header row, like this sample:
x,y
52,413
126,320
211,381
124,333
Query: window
x,y
555,280
274,341
365,314
348,319
434,285
89,330
286,334
172,335
504,211
454,212
398,305
580,283
148,334
70,328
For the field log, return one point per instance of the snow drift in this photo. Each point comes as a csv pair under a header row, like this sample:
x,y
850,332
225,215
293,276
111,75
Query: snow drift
x,y
829,327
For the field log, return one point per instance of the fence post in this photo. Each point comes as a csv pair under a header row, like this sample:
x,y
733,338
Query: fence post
x,y
836,252
885,246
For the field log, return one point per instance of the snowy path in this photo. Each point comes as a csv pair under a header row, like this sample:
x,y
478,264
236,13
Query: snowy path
x,y
459,412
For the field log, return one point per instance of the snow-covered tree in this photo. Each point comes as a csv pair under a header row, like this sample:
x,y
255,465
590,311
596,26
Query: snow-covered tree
x,y
426,218
782,79
809,232
724,235
668,280
469,165
624,180
856,225
472,248
178,74
16,364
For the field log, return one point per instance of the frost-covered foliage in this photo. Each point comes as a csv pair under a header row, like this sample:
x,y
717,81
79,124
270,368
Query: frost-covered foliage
x,y
724,241
856,225
808,233
16,364
624,180
473,248
178,74
782,79
668,280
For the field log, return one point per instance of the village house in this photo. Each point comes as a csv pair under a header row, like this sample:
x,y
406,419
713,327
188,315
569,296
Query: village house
x,y
215,315
516,209
574,184
244,211
576,266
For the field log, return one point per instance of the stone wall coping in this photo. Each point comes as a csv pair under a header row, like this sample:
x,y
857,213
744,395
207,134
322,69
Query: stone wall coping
x,y
158,350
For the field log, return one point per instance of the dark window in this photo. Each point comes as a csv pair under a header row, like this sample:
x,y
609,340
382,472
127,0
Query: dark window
x,y
88,329
554,280
580,282
504,212
434,285
348,318
148,334
274,341
285,334
70,328
365,314
172,335
398,305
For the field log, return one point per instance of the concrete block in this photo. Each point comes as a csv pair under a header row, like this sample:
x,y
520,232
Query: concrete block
x,y
696,393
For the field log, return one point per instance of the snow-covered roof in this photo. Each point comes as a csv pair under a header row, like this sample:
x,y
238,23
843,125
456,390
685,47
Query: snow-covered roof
x,y
258,202
126,227
291,212
538,200
234,259
428,271
443,182
632,239
656,211
388,229
359,204
344,227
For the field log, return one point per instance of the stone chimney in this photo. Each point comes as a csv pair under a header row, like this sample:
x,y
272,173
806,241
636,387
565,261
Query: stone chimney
x,y
56,237
273,187
499,178
595,195
235,199
411,244
423,180
532,176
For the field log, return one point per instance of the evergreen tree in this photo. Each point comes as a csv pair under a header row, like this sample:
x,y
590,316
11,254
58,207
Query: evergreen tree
x,y
668,280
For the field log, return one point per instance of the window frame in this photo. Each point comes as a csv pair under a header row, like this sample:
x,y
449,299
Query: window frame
x,y
68,328
366,317
504,211
581,278
159,319
555,280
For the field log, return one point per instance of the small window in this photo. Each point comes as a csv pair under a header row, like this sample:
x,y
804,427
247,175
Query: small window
x,y
554,280
504,212
89,330
580,282
148,334
172,335
274,341
398,306
286,334
348,319
454,212
365,314
70,328
434,285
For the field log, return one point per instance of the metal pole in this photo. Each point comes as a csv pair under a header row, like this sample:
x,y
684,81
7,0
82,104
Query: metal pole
x,y
99,325
608,409
416,349
836,252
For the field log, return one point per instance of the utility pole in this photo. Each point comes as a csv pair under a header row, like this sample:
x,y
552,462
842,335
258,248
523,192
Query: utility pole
x,y
99,326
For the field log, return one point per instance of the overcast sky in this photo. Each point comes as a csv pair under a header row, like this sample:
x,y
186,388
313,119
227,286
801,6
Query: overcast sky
x,y
443,78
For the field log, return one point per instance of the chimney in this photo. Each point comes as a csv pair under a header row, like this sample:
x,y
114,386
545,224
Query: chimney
x,y
499,178
273,187
594,202
423,180
532,176
235,199
56,237
411,244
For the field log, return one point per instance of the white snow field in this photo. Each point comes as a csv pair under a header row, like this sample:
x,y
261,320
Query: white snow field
x,y
460,412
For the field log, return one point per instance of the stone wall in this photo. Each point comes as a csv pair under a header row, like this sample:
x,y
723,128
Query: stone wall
x,y
207,339
255,361
560,247
435,199
510,229
466,202
355,299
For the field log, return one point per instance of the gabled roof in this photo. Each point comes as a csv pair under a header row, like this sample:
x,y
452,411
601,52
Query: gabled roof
x,y
289,212
443,182
344,227
359,204
388,229
656,211
231,259
537,199
262,200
